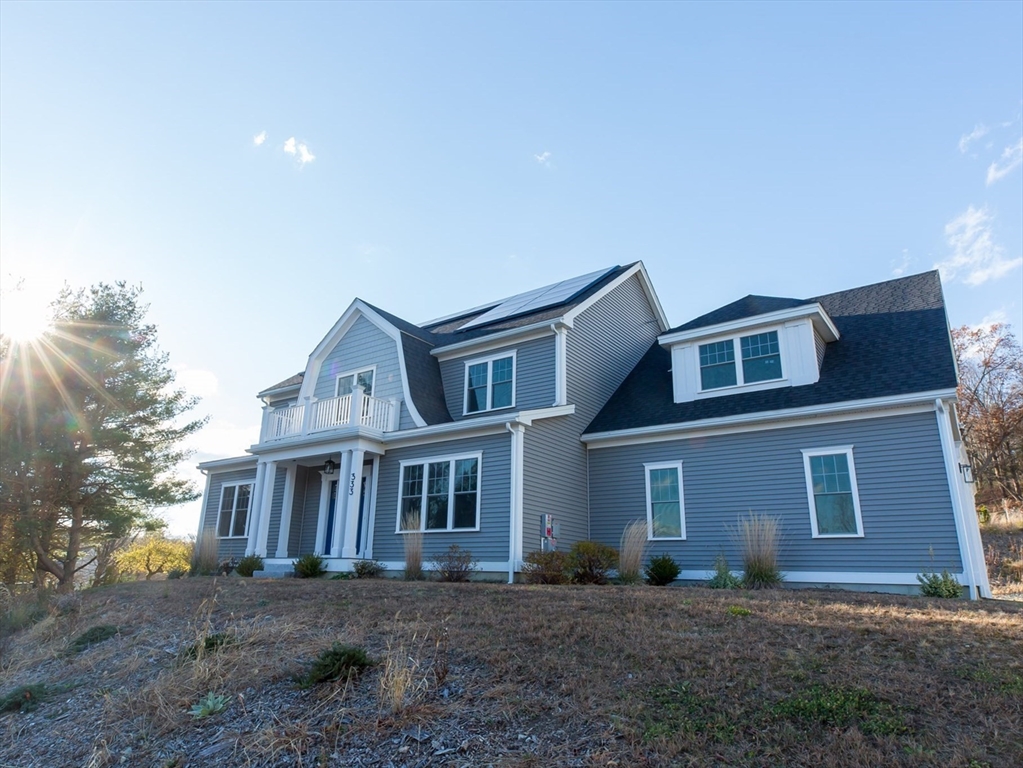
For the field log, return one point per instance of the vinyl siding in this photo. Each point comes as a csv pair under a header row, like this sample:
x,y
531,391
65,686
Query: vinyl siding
x,y
298,522
534,377
227,548
491,542
276,505
903,493
365,345
607,341
303,536
819,346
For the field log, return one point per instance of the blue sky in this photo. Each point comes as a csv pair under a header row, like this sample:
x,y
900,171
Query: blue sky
x,y
447,154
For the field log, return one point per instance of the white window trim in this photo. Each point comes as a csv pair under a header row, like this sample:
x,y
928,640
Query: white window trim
x,y
848,451
424,462
234,508
489,360
737,349
354,374
676,465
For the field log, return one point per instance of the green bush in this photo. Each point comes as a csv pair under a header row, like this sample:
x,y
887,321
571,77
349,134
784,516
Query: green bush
x,y
590,562
942,584
24,698
723,577
176,573
545,567
310,567
368,569
92,636
249,565
338,661
456,564
662,570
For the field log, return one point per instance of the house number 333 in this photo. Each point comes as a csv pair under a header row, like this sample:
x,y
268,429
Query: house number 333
x,y
351,485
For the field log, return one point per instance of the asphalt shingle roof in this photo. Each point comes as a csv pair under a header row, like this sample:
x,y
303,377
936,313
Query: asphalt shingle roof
x,y
894,341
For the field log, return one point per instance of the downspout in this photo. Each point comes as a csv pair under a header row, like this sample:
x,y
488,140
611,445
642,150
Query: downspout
x,y
517,431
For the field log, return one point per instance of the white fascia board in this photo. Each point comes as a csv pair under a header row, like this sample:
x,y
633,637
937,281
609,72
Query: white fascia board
x,y
815,311
790,417
648,287
356,309
497,340
456,430
319,446
221,465
278,391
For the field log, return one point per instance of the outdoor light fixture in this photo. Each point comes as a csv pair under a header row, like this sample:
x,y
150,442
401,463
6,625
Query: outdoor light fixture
x,y
329,467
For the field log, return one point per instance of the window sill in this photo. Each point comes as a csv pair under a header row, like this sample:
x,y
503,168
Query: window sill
x,y
837,536
228,538
443,530
489,410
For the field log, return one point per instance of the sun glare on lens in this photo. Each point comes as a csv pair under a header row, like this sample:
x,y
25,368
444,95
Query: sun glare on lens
x,y
22,317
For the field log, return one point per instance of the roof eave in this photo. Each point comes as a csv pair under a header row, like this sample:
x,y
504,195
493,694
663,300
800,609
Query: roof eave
x,y
821,321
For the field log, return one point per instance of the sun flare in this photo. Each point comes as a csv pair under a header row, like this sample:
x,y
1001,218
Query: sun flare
x,y
23,317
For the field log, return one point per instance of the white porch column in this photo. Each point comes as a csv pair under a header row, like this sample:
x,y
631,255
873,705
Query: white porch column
x,y
353,495
269,479
340,507
289,500
515,517
321,518
355,415
254,507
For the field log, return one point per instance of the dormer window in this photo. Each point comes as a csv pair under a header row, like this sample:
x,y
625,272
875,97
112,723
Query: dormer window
x,y
760,355
490,383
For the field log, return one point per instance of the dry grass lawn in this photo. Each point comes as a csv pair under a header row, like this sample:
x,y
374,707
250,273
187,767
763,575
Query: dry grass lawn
x,y
487,674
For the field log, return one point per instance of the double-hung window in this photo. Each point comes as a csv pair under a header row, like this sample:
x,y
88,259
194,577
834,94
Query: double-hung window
x,y
346,382
490,384
234,510
832,493
440,494
759,353
665,506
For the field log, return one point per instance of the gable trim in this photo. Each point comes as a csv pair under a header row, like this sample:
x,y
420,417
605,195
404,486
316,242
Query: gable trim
x,y
358,308
648,288
821,322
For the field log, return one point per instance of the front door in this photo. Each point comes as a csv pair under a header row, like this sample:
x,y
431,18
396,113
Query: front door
x,y
331,511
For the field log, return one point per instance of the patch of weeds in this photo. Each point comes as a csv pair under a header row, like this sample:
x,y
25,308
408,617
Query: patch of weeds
x,y
1011,685
93,635
723,577
942,584
841,707
338,661
344,576
738,610
210,704
24,698
209,644
675,709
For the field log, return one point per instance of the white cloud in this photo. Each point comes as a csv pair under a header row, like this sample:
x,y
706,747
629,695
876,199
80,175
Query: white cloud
x,y
967,138
992,318
304,155
974,250
544,159
898,270
259,138
1011,159
195,381
289,146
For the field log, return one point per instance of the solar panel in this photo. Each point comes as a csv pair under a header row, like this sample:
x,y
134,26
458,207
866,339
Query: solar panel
x,y
539,298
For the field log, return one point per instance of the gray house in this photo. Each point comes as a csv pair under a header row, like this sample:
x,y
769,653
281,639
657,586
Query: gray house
x,y
569,411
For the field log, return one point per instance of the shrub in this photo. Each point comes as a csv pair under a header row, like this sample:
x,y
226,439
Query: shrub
x,y
24,610
590,562
210,704
206,645
368,569
226,567
662,570
92,636
632,549
249,565
456,564
153,554
545,567
176,573
757,536
204,554
412,539
24,698
310,567
723,577
942,584
338,661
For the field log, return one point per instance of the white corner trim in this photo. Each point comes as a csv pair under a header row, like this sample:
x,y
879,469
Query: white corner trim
x,y
223,465
516,521
636,269
791,417
812,309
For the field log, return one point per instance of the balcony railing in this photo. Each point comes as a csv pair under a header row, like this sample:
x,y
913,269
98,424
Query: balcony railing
x,y
353,410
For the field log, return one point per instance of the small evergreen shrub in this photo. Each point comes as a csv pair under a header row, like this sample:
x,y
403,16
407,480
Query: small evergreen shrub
x,y
590,562
723,577
176,573
249,565
92,636
210,704
545,567
942,584
368,569
310,567
662,570
338,661
456,564
24,698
